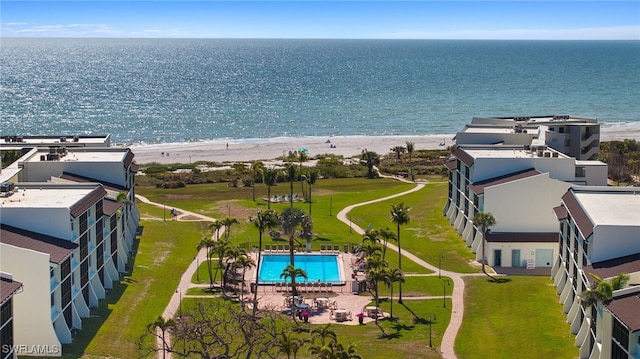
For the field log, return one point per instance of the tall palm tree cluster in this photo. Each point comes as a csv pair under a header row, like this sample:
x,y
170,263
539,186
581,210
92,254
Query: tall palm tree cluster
x,y
373,250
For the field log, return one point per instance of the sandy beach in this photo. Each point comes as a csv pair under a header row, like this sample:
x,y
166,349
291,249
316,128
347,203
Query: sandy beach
x,y
271,148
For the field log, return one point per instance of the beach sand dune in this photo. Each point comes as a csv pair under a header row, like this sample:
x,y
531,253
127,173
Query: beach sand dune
x,y
222,151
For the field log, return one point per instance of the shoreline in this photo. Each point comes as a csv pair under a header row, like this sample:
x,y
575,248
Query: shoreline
x,y
266,149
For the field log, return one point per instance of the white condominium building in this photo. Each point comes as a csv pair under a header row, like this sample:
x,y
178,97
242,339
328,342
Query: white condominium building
x,y
600,234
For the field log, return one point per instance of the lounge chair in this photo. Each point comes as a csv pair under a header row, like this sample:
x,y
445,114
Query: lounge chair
x,y
336,249
286,247
267,248
322,248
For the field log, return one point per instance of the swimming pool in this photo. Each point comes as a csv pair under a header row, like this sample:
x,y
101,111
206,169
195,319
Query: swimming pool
x,y
319,267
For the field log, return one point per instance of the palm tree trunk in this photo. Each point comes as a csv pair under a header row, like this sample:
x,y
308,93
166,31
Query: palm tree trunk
x,y
255,293
399,266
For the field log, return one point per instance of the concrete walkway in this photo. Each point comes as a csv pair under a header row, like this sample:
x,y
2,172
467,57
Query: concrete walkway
x,y
457,297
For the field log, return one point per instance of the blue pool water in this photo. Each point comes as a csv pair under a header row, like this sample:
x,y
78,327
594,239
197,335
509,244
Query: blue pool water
x,y
319,267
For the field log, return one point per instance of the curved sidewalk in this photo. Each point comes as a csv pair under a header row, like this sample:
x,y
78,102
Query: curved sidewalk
x,y
457,297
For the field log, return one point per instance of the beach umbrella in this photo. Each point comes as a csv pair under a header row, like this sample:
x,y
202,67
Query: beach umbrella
x,y
303,149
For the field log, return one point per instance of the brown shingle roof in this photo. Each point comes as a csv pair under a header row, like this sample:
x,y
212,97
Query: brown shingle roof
x,y
83,179
109,206
87,201
58,249
128,158
522,237
560,212
627,309
578,214
8,288
612,267
463,156
478,187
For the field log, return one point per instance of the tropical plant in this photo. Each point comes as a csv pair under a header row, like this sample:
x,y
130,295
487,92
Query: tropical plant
x,y
216,226
375,275
386,234
395,276
292,273
228,222
243,261
302,157
370,159
291,171
311,177
290,219
221,247
602,290
256,168
410,149
263,221
398,150
208,243
484,220
400,216
165,326
325,337
269,178
289,345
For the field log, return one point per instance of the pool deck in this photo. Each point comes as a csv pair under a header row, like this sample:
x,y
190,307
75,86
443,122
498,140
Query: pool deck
x,y
342,295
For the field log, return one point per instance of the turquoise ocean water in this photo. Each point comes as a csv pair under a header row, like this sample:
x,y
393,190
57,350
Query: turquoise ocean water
x,y
175,90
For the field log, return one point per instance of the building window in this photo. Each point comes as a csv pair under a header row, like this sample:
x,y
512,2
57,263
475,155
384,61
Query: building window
x,y
620,333
580,172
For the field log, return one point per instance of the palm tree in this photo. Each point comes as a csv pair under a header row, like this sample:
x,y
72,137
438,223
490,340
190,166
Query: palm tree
x,y
400,216
311,178
208,243
484,220
291,171
302,157
395,275
326,337
243,261
370,159
289,345
292,272
410,148
346,353
602,290
269,177
256,167
165,327
221,248
228,222
375,275
386,235
399,150
216,226
290,219
263,221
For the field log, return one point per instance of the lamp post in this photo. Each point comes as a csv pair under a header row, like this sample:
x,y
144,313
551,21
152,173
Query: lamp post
x,y
164,212
433,317
445,283
440,266
179,291
197,268
330,205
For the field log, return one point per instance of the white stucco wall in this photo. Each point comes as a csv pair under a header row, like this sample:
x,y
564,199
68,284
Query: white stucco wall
x,y
525,205
560,168
32,310
614,241
51,221
527,251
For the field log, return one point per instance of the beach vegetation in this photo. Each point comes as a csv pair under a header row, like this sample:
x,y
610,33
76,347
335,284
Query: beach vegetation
x,y
623,161
370,159
400,216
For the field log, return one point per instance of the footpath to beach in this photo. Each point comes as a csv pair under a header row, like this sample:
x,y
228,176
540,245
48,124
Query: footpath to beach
x,y
457,297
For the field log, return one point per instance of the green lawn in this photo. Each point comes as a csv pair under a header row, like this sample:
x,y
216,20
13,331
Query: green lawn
x,y
504,314
164,251
518,316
